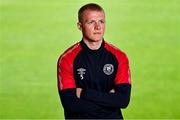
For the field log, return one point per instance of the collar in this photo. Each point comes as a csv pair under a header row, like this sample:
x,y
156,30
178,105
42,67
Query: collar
x,y
88,50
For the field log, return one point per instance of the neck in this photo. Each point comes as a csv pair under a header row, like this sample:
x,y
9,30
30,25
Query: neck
x,y
93,45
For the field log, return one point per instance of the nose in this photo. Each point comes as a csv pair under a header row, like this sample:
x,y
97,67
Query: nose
x,y
97,26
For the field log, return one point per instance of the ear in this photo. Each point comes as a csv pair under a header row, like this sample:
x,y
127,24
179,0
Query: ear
x,y
79,25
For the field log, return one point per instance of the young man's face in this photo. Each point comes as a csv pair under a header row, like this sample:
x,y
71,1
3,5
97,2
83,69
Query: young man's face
x,y
92,25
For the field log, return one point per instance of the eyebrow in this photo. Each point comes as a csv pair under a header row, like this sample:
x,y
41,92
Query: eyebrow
x,y
94,20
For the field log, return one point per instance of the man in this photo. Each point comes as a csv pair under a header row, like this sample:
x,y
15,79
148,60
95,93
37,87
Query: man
x,y
93,76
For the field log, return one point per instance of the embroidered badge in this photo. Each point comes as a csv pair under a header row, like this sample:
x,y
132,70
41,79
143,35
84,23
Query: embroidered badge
x,y
108,69
81,72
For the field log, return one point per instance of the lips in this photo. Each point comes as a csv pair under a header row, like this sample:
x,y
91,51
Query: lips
x,y
97,33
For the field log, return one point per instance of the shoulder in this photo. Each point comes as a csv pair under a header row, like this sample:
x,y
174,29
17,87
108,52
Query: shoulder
x,y
70,53
119,54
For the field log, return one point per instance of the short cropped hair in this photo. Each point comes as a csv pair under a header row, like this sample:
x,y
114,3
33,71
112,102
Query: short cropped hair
x,y
90,6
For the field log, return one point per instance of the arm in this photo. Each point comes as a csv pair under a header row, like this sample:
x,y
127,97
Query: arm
x,y
72,103
67,90
121,97
118,99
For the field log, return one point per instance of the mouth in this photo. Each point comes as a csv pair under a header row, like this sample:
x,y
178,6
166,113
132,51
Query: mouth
x,y
98,33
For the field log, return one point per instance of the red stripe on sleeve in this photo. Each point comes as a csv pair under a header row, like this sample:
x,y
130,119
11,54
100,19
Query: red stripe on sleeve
x,y
65,68
123,72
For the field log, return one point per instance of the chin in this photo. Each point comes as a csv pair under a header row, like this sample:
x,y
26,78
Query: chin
x,y
97,39
94,38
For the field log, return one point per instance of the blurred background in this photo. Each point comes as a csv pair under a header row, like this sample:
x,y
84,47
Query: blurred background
x,y
33,34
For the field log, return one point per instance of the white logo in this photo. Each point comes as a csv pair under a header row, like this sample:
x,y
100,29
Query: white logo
x,y
108,69
81,72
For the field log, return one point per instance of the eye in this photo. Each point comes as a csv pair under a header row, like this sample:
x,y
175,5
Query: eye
x,y
90,22
102,21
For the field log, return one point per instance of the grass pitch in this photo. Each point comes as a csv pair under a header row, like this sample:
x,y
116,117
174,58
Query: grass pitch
x,y
35,32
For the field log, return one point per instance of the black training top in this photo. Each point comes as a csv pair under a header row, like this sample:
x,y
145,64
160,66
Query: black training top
x,y
97,72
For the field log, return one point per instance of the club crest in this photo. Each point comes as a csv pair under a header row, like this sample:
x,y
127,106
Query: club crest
x,y
108,69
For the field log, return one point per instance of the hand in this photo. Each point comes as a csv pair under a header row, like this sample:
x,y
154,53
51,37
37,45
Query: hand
x,y
112,91
78,92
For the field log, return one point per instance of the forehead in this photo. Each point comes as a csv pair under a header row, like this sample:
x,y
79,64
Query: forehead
x,y
91,14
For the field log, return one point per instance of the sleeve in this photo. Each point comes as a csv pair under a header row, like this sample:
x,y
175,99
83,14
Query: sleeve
x,y
67,90
121,97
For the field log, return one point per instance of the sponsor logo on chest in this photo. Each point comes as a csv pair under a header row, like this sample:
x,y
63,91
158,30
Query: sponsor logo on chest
x,y
81,72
